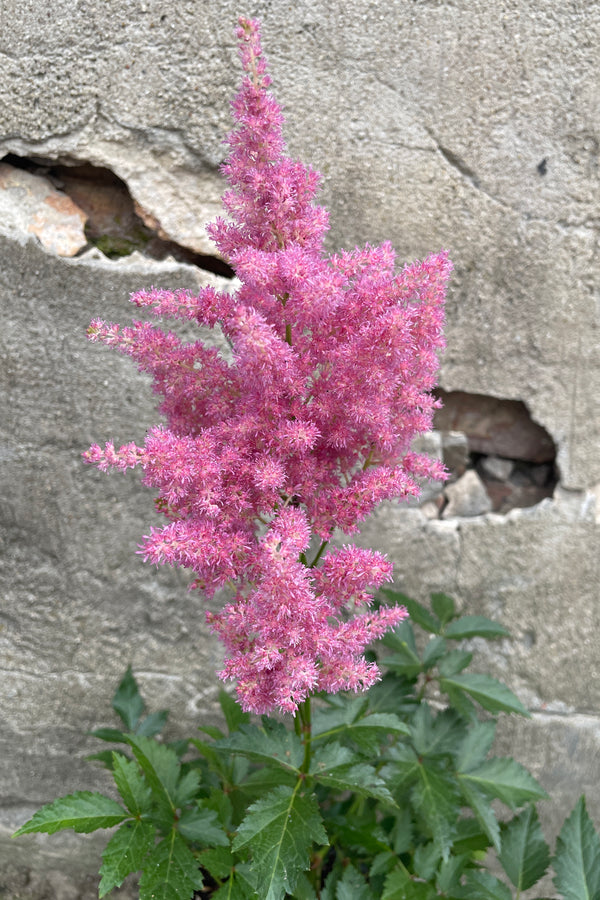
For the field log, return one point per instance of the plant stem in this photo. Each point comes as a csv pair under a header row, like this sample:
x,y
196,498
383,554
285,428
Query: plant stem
x,y
305,715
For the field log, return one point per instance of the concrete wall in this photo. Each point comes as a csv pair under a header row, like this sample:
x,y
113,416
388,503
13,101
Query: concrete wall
x,y
468,125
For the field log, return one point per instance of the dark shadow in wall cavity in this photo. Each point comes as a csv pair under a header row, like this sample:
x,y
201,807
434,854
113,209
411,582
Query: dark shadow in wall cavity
x,y
513,456
115,224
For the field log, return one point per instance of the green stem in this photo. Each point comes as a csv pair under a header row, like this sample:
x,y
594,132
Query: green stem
x,y
319,554
305,716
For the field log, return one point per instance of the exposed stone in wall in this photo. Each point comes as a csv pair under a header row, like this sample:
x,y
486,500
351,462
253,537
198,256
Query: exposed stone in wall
x,y
88,206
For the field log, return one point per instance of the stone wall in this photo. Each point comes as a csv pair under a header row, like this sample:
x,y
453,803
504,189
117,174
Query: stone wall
x,y
468,125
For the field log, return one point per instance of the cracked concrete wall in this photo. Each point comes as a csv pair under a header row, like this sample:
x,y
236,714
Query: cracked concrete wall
x,y
458,124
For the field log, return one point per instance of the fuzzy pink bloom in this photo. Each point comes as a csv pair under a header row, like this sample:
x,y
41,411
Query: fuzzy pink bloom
x,y
304,429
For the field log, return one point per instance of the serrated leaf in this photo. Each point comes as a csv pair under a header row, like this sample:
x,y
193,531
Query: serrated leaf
x,y
187,788
426,858
483,886
83,811
218,861
335,766
125,853
112,735
304,889
506,780
105,757
475,746
450,872
352,886
421,615
161,768
261,781
577,860
202,826
368,732
272,743
525,855
233,712
475,626
133,789
127,701
363,834
484,813
400,886
453,662
487,691
239,886
435,798
280,830
434,651
439,735
153,724
459,701
171,871
443,607
406,660
403,768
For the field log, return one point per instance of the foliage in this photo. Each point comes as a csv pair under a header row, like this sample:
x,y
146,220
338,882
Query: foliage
x,y
386,795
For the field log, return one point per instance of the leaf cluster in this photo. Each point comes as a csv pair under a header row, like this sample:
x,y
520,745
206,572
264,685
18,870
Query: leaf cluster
x,y
391,795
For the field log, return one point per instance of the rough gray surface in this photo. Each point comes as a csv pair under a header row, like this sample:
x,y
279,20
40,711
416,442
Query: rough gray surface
x,y
461,124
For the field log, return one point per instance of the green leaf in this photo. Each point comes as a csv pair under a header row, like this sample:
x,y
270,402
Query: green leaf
x,y
475,746
127,701
261,781
280,830
352,886
439,735
170,872
368,731
113,735
272,743
335,766
486,817
434,651
304,889
426,859
217,860
202,826
239,886
422,616
133,789
487,691
483,886
450,872
505,779
153,724
577,860
161,768
399,885
403,768
406,660
525,855
125,853
233,712
83,811
187,788
435,798
475,626
454,662
443,607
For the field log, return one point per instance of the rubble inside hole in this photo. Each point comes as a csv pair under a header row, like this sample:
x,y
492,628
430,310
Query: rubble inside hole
x,y
498,458
114,222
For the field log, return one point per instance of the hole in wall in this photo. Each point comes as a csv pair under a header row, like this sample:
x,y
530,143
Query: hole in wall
x,y
499,458
115,223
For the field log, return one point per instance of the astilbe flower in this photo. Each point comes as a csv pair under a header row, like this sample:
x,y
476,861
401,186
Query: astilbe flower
x,y
307,428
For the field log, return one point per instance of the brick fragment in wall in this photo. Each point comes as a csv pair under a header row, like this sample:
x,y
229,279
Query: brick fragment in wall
x,y
467,497
29,204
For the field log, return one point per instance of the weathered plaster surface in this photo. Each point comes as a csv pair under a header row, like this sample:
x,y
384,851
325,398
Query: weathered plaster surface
x,y
468,125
